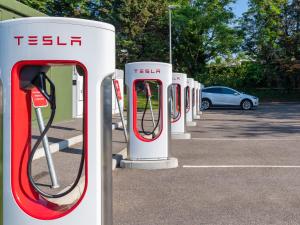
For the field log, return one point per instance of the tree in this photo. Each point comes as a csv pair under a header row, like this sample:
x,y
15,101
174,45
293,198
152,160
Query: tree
x,y
141,28
263,27
67,8
202,31
272,31
291,38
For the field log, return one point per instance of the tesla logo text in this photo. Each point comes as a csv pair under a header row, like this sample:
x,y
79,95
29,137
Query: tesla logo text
x,y
147,71
48,40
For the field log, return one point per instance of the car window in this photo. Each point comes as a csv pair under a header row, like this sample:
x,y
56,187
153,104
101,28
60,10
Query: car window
x,y
228,91
213,90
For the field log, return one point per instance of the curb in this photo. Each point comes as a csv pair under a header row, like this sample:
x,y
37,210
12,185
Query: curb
x,y
55,147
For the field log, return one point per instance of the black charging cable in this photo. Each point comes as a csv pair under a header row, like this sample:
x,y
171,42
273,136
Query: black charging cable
x,y
144,113
187,98
40,83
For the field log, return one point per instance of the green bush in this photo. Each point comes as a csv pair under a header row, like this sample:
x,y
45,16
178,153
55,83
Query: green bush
x,y
246,75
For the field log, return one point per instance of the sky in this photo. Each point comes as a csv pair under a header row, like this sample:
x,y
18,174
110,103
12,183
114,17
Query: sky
x,y
240,7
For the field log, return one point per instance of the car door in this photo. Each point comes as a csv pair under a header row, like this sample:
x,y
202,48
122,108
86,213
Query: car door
x,y
215,95
230,97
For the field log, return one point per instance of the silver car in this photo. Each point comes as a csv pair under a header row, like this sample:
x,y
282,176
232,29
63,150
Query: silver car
x,y
224,96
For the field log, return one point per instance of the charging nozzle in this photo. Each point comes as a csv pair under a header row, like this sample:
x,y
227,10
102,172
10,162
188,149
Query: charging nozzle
x,y
28,75
35,76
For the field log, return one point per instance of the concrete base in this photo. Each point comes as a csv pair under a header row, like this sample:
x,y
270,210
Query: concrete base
x,y
180,136
191,124
72,197
196,117
150,165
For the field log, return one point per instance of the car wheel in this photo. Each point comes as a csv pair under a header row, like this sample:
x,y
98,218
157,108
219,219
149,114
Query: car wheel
x,y
206,104
246,104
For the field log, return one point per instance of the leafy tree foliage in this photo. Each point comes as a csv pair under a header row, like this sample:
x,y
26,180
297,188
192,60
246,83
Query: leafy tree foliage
x,y
272,31
141,28
202,31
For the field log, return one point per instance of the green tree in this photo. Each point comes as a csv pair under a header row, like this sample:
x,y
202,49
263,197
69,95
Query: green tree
x,y
87,9
141,28
263,27
271,29
203,31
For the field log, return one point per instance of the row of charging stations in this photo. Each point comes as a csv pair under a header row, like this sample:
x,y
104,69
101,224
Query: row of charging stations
x,y
186,105
34,45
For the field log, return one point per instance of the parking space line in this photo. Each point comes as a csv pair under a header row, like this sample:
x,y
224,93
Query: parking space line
x,y
239,166
246,139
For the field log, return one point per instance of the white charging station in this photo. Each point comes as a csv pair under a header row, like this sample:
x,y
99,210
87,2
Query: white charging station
x,y
201,86
148,127
196,116
199,102
190,102
178,123
118,80
34,43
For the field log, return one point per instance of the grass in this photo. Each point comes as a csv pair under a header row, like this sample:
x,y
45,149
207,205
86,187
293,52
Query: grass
x,y
142,101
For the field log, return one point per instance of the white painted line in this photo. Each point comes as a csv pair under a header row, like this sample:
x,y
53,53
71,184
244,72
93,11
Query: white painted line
x,y
240,166
247,139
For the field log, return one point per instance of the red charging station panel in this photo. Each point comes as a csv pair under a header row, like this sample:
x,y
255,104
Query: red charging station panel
x,y
118,90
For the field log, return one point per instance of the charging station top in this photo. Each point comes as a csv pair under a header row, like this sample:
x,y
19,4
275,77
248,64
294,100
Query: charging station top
x,y
59,20
190,82
180,78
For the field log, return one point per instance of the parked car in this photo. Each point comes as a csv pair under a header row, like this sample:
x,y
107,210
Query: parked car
x,y
219,96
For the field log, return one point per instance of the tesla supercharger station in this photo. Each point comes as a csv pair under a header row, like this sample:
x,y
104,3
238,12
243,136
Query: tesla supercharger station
x,y
199,101
189,94
178,126
28,48
196,101
118,80
149,143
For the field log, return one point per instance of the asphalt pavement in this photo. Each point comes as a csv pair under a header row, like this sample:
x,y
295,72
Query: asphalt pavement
x,y
241,167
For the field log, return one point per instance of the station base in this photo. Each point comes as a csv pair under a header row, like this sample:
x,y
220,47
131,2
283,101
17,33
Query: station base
x,y
191,124
150,165
72,197
197,117
181,136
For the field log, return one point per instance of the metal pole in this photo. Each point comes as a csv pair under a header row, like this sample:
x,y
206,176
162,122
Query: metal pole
x,y
47,151
170,34
121,114
151,109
